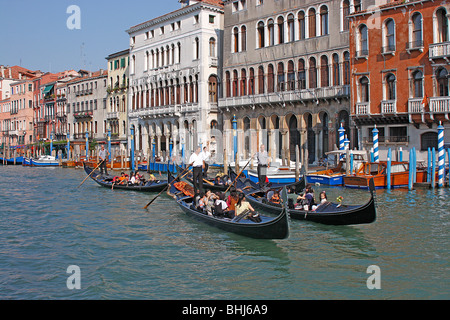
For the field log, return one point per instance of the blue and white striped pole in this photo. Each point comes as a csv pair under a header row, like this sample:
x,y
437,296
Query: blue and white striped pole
x,y
346,143
341,140
375,144
441,161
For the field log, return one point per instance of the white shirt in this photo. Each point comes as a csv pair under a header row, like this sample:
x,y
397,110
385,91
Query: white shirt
x,y
205,155
196,160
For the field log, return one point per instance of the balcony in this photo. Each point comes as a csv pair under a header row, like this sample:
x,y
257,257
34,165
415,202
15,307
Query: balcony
x,y
284,97
439,105
439,50
83,114
362,108
388,49
112,115
414,45
416,106
213,62
389,106
13,132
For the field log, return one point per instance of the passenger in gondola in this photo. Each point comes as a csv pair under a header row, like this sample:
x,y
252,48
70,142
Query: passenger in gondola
x,y
221,208
306,201
323,200
132,179
243,206
275,199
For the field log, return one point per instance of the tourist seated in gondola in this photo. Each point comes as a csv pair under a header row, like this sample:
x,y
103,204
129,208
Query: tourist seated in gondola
x,y
123,179
306,201
132,179
231,201
275,199
323,201
221,208
139,178
244,210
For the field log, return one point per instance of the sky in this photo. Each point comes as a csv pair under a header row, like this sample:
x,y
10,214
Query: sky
x,y
35,34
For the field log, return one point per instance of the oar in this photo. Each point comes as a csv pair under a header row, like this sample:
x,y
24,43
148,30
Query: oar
x,y
91,173
208,182
251,158
169,185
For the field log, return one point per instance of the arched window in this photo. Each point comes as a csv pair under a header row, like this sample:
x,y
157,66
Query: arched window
x,y
301,75
416,31
261,80
417,78
312,22
212,47
243,91
281,85
228,84
301,25
442,82
197,49
280,23
324,72
270,79
346,68
235,83
243,38
235,39
261,35
312,73
363,49
212,88
291,28
429,140
442,26
390,87
271,30
251,82
364,89
323,20
291,76
336,70
345,14
389,36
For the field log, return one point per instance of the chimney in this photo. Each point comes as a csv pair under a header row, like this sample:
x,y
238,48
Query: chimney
x,y
10,75
2,68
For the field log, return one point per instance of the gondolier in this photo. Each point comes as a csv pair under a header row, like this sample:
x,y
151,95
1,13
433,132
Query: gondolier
x,y
263,163
103,155
206,155
197,163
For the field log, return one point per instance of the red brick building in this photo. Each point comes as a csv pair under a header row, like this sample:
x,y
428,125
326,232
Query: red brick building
x,y
400,68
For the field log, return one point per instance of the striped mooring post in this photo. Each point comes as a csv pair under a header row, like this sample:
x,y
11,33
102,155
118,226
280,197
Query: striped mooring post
x,y
341,139
441,156
375,144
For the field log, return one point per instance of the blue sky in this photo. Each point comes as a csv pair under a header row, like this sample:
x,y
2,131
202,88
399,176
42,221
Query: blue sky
x,y
34,34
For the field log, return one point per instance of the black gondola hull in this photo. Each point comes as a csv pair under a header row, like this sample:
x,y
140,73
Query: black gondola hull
x,y
149,187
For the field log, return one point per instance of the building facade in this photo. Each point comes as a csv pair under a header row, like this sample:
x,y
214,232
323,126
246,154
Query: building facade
x,y
117,99
174,73
399,53
87,110
286,76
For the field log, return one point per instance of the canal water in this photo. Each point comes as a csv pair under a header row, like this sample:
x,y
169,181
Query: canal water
x,y
125,252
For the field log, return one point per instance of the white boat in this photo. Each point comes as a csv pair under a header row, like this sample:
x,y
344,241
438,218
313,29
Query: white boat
x,y
45,161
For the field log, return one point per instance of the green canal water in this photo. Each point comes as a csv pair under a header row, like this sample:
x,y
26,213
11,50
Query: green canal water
x,y
125,252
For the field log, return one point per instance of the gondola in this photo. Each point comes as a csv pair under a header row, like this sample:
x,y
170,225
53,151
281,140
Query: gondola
x,y
248,186
106,181
210,184
329,213
268,228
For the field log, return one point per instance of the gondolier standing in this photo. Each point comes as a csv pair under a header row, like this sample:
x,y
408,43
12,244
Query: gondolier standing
x,y
103,155
263,163
206,155
197,163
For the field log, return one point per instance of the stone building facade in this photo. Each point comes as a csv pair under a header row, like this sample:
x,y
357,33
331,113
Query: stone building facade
x,y
174,71
286,76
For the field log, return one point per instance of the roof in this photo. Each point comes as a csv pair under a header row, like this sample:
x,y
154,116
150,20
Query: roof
x,y
216,3
16,72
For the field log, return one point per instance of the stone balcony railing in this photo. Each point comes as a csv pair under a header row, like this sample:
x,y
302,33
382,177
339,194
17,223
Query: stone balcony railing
x,y
362,108
168,110
286,96
389,106
439,50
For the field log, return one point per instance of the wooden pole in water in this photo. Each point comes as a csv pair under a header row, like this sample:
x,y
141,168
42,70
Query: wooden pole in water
x,y
433,168
410,177
225,161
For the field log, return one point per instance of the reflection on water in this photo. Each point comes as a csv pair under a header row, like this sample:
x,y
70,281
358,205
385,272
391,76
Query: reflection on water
x,y
126,252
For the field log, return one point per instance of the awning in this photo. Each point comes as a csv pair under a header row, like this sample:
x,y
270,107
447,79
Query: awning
x,y
48,89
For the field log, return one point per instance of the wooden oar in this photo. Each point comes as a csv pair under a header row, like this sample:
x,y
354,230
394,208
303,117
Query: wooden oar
x,y
182,174
91,173
251,158
208,182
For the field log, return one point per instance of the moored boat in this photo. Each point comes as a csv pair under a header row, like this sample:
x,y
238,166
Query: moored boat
x,y
268,228
328,213
107,181
44,161
12,161
378,171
